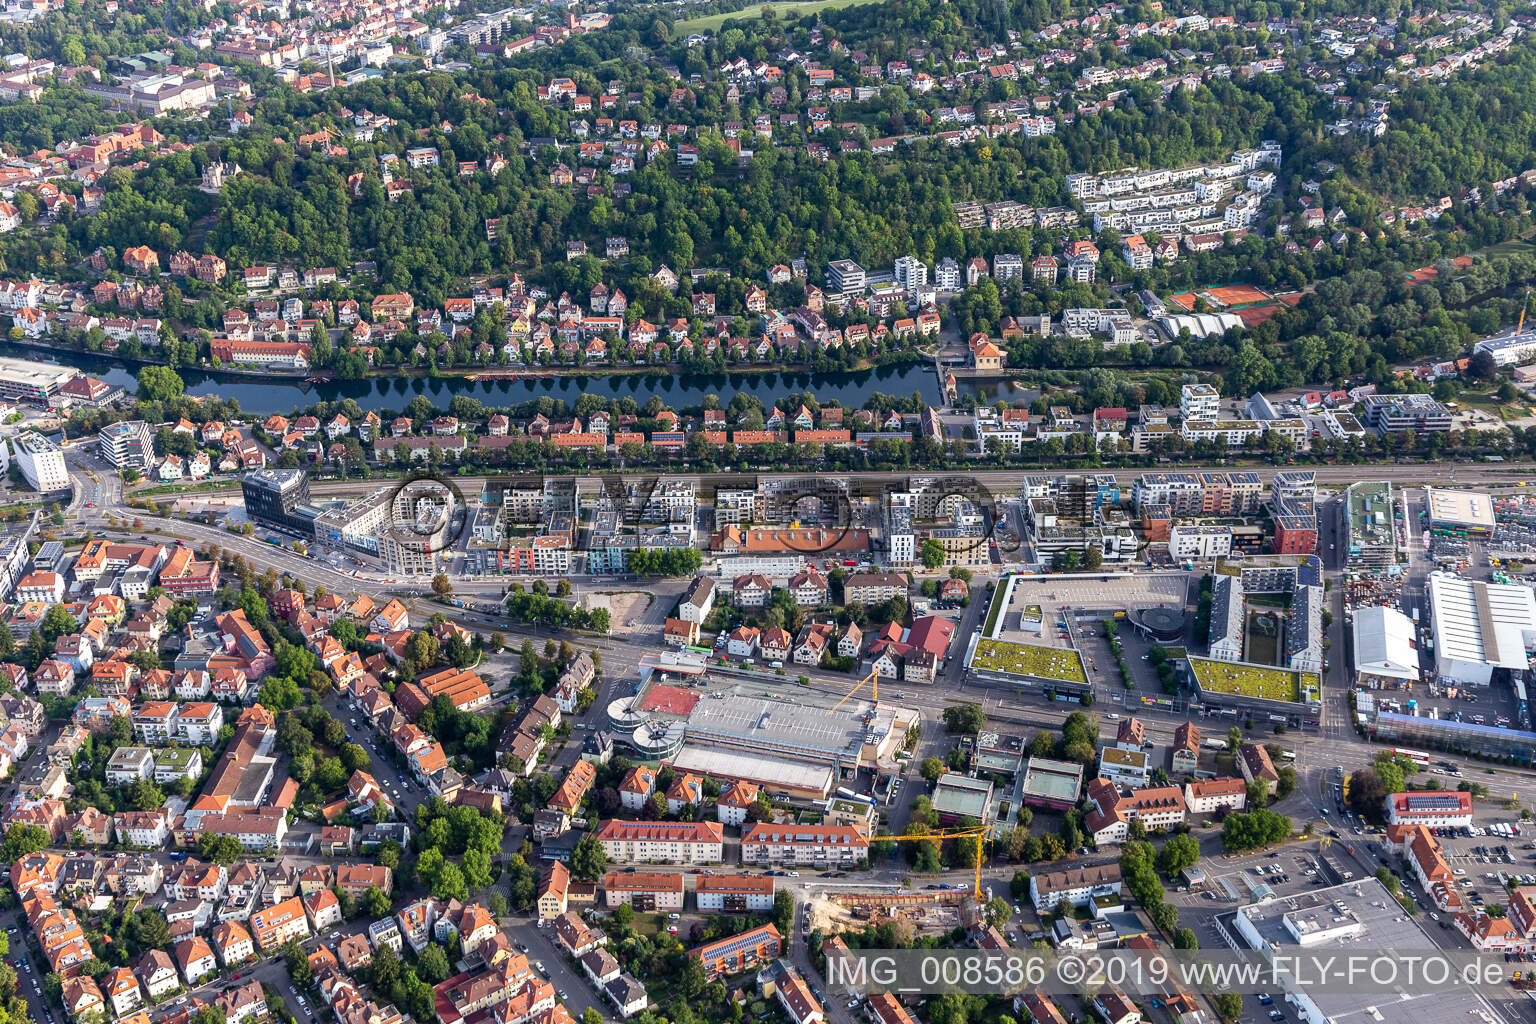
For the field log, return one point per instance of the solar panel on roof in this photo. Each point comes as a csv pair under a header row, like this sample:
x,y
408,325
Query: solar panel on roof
x,y
1432,801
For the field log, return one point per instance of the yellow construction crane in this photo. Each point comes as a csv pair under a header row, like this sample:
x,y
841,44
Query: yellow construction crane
x,y
976,832
873,676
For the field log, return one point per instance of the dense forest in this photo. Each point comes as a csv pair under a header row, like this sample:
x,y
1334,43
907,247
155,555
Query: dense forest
x,y
298,205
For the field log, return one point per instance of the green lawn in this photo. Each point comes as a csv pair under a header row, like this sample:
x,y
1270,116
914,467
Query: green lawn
x,y
785,9
1514,245
1262,649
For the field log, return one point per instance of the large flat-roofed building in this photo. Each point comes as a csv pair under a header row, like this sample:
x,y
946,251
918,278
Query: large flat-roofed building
x,y
357,524
1387,414
1372,536
1384,649
26,381
1509,349
845,276
1051,784
786,746
1355,916
1284,694
1421,731
1300,578
958,797
1039,666
1459,513
1479,627
422,514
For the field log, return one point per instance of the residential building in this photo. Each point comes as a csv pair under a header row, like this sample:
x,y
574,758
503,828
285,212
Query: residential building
x,y
1078,885
734,894
767,843
646,891
687,842
739,953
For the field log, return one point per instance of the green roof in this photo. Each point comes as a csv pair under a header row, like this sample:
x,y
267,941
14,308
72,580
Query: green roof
x,y
1243,679
1037,661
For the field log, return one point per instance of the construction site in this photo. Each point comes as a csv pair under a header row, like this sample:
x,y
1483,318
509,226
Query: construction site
x,y
930,913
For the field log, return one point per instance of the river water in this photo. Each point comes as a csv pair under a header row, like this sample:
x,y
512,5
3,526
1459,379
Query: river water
x,y
280,395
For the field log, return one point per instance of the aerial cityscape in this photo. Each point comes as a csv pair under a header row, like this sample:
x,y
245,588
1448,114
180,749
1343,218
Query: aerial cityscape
x,y
648,510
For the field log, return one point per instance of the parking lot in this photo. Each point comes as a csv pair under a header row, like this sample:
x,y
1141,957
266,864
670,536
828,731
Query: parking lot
x,y
1494,705
1235,881
1121,591
1082,602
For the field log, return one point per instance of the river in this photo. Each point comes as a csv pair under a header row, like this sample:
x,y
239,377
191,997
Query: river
x,y
851,388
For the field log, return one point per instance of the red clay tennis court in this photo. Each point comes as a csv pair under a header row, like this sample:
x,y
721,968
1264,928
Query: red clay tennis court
x,y
1237,294
1252,316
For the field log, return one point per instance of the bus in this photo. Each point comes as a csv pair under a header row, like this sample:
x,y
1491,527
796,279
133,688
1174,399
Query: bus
x,y
1287,756
1420,760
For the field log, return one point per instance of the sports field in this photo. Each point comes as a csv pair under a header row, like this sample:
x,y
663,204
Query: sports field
x,y
1252,316
1236,294
784,9
1222,297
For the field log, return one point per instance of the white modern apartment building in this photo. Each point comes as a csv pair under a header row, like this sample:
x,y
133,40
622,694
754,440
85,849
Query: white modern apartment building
x,y
910,272
1199,402
41,463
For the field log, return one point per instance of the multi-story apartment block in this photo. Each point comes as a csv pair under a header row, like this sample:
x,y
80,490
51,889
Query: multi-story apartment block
x,y
1077,885
1207,796
738,953
766,843
910,272
684,842
1199,402
127,445
734,894
1387,414
644,890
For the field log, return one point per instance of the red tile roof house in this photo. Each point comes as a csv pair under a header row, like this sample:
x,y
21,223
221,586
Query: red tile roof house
x,y
195,958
